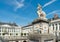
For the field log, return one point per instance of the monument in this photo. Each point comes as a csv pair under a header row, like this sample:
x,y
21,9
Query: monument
x,y
42,33
40,13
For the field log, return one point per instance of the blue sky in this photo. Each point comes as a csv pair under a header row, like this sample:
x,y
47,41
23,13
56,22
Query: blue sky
x,y
24,12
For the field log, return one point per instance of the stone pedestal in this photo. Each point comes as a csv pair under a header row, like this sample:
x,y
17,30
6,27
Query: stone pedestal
x,y
42,37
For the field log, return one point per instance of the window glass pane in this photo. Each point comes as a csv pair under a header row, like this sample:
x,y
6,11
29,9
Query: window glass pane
x,y
21,34
53,26
56,26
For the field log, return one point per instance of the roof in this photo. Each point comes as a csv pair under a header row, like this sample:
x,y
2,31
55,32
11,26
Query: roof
x,y
11,24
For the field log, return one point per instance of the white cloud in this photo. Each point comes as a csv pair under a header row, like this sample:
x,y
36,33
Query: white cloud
x,y
15,3
19,4
49,3
53,12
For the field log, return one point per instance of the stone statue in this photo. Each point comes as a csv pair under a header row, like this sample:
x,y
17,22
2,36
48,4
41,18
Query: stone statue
x,y
40,12
39,9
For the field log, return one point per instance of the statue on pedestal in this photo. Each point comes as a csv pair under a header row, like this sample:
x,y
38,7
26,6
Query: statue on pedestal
x,y
40,12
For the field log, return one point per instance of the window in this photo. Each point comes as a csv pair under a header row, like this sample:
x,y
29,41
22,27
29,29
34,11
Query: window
x,y
0,33
59,23
0,29
21,34
3,34
53,26
40,31
59,26
16,33
25,34
10,33
56,26
59,33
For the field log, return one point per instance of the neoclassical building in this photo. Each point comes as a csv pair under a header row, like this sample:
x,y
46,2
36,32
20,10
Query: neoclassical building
x,y
9,31
40,30
55,26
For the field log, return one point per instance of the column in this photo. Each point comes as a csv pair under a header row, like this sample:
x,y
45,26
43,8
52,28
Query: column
x,y
54,40
57,29
1,31
51,29
41,40
28,40
54,28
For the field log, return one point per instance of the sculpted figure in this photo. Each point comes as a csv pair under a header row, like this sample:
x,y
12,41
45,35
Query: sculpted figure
x,y
40,12
39,9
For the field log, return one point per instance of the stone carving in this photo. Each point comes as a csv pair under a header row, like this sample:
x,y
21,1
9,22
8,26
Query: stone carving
x,y
40,12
